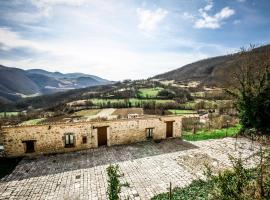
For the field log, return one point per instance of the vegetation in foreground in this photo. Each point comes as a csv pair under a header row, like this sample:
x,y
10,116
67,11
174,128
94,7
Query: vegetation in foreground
x,y
238,183
212,134
114,184
252,92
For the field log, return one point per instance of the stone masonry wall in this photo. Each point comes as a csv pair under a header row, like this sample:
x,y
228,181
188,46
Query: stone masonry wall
x,y
51,138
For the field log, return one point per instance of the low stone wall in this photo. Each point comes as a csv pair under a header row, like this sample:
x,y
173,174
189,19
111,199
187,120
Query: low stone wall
x,y
51,138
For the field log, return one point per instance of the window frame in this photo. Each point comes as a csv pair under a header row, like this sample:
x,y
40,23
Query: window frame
x,y
29,143
149,133
69,140
84,139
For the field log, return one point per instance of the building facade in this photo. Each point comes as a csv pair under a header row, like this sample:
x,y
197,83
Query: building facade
x,y
66,137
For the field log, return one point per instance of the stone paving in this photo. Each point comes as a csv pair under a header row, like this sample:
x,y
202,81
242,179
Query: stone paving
x,y
148,167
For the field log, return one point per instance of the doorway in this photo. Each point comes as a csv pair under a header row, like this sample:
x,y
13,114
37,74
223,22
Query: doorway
x,y
102,136
30,146
169,129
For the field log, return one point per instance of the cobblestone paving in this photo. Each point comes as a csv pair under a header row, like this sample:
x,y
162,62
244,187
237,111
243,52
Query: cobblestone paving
x,y
148,168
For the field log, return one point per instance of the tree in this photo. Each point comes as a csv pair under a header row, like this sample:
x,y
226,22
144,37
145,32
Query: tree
x,y
252,88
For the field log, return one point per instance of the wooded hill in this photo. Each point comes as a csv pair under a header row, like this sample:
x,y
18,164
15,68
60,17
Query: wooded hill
x,y
215,71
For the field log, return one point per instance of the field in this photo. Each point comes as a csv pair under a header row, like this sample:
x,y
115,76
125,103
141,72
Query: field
x,y
182,112
86,113
8,114
212,134
132,100
149,92
33,121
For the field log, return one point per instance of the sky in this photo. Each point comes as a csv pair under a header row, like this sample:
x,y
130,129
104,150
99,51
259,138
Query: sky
x,y
127,39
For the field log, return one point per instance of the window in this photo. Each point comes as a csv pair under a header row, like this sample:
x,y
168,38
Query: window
x,y
84,140
69,140
149,133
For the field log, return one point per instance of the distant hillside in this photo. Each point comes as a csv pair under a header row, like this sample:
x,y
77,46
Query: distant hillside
x,y
212,72
17,83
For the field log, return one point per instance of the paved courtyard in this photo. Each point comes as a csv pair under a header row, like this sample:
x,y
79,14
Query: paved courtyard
x,y
148,167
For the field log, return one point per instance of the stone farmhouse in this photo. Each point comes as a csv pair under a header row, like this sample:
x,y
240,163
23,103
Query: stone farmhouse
x,y
66,137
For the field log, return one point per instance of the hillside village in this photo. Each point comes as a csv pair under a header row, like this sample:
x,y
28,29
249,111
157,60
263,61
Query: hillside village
x,y
134,100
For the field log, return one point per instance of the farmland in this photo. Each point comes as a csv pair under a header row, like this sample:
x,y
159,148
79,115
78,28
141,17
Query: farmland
x,y
33,121
182,112
8,114
133,101
149,92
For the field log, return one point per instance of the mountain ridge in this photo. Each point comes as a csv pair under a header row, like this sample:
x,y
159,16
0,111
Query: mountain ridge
x,y
213,71
16,83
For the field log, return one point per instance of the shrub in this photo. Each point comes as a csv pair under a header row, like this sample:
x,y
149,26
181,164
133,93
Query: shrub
x,y
114,186
252,90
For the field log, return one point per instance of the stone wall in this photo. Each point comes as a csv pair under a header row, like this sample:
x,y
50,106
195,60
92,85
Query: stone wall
x,y
51,138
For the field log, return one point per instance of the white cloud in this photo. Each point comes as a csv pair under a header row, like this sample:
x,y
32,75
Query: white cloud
x,y
215,21
149,19
104,38
71,56
187,15
209,6
46,5
10,39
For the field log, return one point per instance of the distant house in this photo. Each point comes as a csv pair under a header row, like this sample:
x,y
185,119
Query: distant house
x,y
66,137
129,113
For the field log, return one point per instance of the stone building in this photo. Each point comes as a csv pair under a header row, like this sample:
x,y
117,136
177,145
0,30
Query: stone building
x,y
66,137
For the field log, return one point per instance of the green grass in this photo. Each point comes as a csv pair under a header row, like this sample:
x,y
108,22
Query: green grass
x,y
149,92
198,189
212,134
132,100
198,94
8,114
182,112
33,121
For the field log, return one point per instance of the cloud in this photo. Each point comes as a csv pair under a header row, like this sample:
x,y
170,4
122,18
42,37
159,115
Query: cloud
x,y
46,5
215,21
209,6
102,38
149,19
10,39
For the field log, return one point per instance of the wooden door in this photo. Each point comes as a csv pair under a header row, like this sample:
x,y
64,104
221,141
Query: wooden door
x,y
102,136
169,129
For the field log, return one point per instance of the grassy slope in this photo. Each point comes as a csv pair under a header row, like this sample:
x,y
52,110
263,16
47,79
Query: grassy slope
x,y
8,114
132,100
33,121
149,92
182,112
212,134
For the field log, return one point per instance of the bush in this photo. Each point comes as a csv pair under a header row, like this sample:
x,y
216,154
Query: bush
x,y
238,183
114,186
253,89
